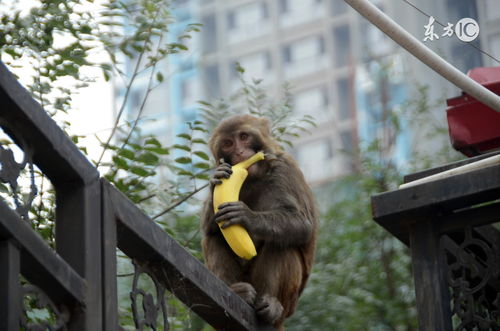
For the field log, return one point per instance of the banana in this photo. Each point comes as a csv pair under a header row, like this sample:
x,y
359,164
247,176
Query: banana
x,y
236,235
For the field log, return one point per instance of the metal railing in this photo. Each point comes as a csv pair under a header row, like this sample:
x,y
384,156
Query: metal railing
x,y
77,282
451,226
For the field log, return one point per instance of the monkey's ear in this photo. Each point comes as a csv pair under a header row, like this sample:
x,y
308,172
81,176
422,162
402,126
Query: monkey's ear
x,y
212,144
265,126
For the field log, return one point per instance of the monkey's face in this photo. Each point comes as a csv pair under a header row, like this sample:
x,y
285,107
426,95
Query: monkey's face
x,y
239,146
239,137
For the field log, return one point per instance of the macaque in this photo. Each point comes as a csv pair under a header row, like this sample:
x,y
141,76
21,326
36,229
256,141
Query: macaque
x,y
277,209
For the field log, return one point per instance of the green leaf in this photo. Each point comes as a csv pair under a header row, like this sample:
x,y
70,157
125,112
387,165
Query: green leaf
x,y
202,155
179,46
157,150
184,136
239,68
152,141
199,141
204,103
199,128
203,176
137,47
135,146
183,160
201,165
159,77
3,188
139,171
120,163
120,185
127,153
185,173
182,147
149,158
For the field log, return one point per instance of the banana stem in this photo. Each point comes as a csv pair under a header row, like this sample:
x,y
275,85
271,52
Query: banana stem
x,y
248,162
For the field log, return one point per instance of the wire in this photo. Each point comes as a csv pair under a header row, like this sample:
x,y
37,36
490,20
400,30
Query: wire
x,y
477,48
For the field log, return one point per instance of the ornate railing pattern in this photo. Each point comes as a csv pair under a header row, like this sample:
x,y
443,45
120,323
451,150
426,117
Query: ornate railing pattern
x,y
473,273
75,285
451,226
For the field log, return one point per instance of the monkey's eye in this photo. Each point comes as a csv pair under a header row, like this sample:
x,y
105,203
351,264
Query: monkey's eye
x,y
227,143
243,136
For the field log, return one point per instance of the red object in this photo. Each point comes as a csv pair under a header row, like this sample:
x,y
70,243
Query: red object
x,y
473,127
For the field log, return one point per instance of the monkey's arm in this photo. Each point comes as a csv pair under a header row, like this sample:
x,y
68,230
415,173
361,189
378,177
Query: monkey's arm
x,y
283,210
283,225
208,226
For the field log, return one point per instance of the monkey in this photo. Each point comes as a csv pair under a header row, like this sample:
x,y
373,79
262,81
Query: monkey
x,y
277,209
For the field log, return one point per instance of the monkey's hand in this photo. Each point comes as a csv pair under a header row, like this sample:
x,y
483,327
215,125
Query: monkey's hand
x,y
223,170
235,213
246,291
268,308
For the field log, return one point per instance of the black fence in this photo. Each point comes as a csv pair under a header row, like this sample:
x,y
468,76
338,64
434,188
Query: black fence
x,y
451,226
77,281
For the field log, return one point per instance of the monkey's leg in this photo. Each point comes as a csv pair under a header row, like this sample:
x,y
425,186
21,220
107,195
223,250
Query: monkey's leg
x,y
277,277
225,265
221,260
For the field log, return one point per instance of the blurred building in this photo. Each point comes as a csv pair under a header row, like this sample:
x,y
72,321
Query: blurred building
x,y
343,71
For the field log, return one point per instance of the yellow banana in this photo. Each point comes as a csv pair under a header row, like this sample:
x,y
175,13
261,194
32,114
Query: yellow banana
x,y
236,235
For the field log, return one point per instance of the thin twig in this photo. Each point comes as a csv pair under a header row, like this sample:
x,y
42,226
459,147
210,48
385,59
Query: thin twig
x,y
145,98
127,92
180,201
187,242
194,176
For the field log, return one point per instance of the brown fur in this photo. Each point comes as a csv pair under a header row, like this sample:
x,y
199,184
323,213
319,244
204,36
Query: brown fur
x,y
282,225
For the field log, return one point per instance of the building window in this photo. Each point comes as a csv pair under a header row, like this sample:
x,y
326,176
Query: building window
x,y
316,159
293,12
304,56
376,42
313,102
465,57
211,81
290,6
495,45
342,45
458,9
344,99
493,10
347,141
339,7
209,31
190,92
247,21
304,49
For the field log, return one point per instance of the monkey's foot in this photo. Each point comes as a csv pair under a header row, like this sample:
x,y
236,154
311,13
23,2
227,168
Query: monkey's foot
x,y
245,291
268,308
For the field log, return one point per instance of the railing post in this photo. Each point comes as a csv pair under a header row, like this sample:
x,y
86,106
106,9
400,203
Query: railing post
x,y
433,298
78,241
10,294
109,290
